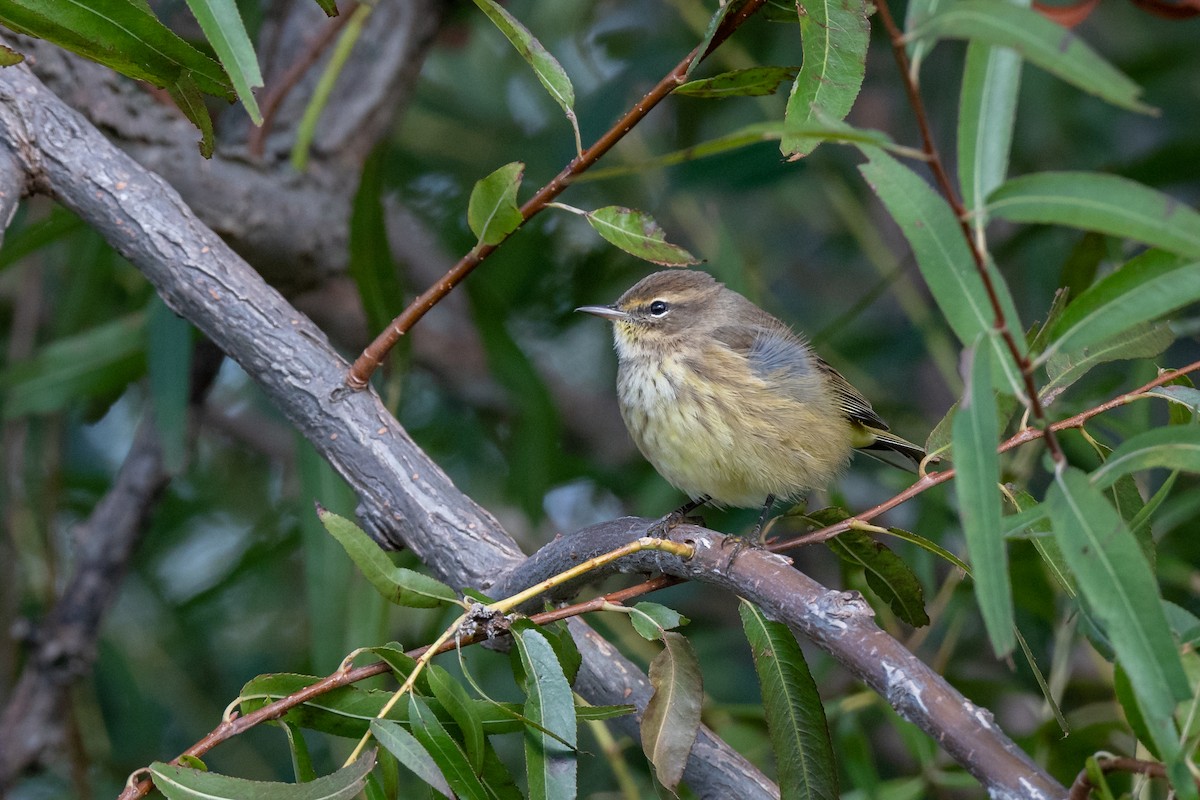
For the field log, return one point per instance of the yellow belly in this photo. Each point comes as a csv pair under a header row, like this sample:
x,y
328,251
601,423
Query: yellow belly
x,y
736,442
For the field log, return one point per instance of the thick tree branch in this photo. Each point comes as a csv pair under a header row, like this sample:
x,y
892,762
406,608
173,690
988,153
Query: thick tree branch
x,y
405,498
841,623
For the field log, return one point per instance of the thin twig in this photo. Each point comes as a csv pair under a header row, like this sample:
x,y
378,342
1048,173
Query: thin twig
x,y
1003,329
235,725
1082,787
1023,436
366,364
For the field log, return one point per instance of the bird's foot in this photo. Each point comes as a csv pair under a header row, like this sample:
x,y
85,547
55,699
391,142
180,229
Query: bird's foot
x,y
664,526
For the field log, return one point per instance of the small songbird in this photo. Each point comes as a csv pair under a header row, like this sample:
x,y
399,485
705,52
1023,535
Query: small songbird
x,y
729,405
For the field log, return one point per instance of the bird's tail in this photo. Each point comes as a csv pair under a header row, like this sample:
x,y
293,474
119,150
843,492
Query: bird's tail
x,y
889,448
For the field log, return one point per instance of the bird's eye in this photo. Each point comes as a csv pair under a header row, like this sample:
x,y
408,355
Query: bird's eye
x,y
659,308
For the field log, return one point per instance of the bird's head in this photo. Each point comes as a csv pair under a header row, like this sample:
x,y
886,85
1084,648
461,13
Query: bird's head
x,y
662,308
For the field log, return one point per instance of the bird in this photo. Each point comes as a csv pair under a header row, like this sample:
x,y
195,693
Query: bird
x,y
728,403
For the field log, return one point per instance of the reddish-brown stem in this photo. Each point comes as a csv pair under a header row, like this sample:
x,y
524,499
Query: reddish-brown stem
x,y
1083,786
1023,362
1021,437
366,364
240,724
274,98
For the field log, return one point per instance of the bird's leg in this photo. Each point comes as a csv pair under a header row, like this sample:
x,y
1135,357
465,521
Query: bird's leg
x,y
677,516
759,535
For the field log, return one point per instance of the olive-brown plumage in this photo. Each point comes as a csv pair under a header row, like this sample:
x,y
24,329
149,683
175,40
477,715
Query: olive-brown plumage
x,y
727,402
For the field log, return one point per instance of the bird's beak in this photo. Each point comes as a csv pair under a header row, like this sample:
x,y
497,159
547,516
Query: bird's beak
x,y
607,312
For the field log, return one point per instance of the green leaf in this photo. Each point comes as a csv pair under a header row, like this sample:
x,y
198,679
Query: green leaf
x,y
405,747
1034,520
345,711
834,36
453,697
1144,340
545,66
1180,396
916,14
792,706
1175,447
976,483
399,585
182,783
987,109
672,717
492,211
122,35
638,234
371,265
1122,595
329,7
223,27
887,575
190,100
169,364
1147,287
651,619
1053,48
1109,204
569,657
10,57
446,752
302,766
550,755
944,258
753,82
94,363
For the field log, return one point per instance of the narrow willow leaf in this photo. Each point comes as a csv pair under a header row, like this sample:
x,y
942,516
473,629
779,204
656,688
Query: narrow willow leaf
x,y
1051,47
1184,396
405,747
169,364
751,82
565,649
550,756
401,586
346,711
124,36
886,573
930,547
10,57
544,65
944,258
592,713
182,783
714,24
987,109
977,486
1141,341
1122,596
795,717
672,718
651,619
97,362
454,698
223,27
190,100
302,766
492,211
1175,447
834,37
444,751
329,7
1147,287
638,234
1109,204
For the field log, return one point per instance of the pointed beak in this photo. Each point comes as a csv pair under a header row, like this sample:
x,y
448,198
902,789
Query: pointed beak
x,y
607,312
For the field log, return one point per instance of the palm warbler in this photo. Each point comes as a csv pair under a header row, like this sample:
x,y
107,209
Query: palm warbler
x,y
727,403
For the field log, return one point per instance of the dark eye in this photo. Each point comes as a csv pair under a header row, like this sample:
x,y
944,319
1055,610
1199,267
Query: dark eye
x,y
658,308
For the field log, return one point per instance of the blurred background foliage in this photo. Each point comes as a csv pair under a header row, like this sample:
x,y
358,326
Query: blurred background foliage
x,y
236,577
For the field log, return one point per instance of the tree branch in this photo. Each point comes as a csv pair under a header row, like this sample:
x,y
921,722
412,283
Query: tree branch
x,y
405,498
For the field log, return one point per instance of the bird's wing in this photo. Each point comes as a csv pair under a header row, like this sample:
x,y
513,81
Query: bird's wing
x,y
773,350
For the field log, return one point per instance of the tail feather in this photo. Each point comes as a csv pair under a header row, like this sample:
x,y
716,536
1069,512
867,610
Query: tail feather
x,y
891,449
